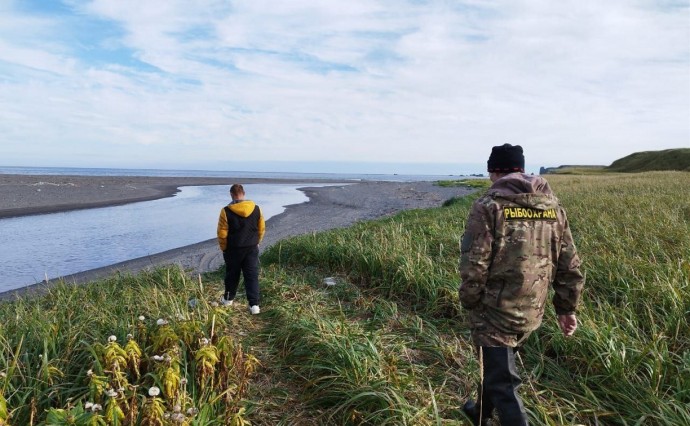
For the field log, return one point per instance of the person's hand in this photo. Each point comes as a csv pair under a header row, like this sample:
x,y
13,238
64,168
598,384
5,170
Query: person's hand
x,y
568,324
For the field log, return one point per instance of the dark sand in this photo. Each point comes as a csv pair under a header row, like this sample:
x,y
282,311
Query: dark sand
x,y
328,207
22,195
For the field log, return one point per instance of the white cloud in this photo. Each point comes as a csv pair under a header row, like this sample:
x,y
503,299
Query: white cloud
x,y
573,81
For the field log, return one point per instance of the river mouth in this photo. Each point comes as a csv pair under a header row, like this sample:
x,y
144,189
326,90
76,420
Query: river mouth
x,y
40,247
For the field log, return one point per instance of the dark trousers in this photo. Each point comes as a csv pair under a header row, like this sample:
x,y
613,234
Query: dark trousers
x,y
499,388
246,261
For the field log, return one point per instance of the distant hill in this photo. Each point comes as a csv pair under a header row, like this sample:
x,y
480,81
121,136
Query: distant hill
x,y
668,159
646,161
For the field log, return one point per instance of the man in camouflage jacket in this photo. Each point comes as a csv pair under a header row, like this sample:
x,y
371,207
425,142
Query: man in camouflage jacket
x,y
516,243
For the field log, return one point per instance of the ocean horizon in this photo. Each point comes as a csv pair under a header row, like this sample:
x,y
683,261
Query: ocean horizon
x,y
293,175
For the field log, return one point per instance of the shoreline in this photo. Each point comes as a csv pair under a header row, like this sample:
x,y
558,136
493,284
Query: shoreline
x,y
25,195
328,207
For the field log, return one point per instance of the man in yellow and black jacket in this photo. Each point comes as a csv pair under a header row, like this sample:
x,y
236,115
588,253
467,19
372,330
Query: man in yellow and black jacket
x,y
241,228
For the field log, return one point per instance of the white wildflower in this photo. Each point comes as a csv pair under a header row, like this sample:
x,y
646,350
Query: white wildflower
x,y
177,408
183,381
158,358
142,318
204,341
178,418
88,405
192,411
112,338
154,391
130,336
89,373
111,393
161,321
96,407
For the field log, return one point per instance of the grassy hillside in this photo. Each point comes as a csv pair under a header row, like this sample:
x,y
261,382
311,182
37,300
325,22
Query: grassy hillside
x,y
669,159
666,160
388,344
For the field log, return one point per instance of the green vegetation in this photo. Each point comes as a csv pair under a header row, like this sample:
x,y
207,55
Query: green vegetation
x,y
666,160
576,170
669,159
388,344
465,183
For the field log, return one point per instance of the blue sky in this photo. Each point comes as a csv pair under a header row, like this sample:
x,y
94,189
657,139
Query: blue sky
x,y
214,84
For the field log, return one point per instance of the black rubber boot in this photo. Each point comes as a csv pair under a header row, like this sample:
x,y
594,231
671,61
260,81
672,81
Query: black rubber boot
x,y
472,411
501,382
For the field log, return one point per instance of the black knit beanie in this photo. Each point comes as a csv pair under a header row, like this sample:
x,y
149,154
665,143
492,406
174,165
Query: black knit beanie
x,y
506,159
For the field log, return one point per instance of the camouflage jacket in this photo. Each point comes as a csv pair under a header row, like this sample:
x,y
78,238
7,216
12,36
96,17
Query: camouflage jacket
x,y
516,243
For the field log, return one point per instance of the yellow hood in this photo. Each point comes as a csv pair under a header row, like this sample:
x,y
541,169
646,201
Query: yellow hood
x,y
243,208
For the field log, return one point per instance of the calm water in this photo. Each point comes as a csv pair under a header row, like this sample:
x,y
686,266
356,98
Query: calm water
x,y
210,173
60,244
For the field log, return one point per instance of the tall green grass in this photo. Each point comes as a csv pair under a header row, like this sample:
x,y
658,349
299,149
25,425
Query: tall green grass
x,y
91,354
628,363
388,344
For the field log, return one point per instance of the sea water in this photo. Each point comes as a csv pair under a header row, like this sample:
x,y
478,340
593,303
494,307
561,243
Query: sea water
x,y
53,245
344,177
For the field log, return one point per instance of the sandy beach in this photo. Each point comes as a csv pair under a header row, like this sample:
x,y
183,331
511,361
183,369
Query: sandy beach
x,y
328,207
